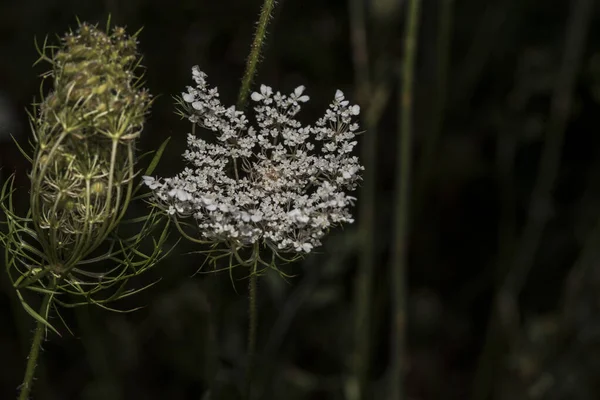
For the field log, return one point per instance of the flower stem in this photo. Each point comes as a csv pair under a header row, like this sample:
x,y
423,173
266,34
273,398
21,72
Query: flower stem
x,y
34,353
364,276
403,186
252,326
427,158
253,58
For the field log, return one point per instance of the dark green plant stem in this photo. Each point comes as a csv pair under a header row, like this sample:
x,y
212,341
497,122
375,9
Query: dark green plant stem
x,y
36,344
360,54
402,198
430,144
252,327
254,57
366,211
211,346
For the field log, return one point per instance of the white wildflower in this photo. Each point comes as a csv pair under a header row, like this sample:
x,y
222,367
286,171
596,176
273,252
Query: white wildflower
x,y
151,182
292,181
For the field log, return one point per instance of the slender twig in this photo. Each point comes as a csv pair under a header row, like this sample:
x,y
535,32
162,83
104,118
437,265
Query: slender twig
x,y
360,53
254,57
541,198
399,257
366,212
36,344
431,140
487,38
252,326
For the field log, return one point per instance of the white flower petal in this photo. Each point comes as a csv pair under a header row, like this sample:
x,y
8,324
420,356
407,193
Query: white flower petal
x,y
266,90
307,247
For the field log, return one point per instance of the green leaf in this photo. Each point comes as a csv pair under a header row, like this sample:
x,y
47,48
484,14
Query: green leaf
x,y
21,149
35,315
157,157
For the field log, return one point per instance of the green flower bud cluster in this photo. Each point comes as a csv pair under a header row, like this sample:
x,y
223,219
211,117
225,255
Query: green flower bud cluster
x,y
82,179
85,131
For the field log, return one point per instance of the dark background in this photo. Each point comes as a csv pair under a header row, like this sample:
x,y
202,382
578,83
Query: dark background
x,y
472,215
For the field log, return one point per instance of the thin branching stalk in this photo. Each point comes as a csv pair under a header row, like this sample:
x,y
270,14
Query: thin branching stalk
x,y
360,53
541,198
364,276
255,50
438,112
253,325
402,194
36,345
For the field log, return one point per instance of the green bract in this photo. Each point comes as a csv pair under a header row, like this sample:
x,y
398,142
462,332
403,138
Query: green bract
x,y
82,176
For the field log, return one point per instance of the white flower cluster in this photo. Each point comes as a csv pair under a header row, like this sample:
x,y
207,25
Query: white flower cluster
x,y
282,183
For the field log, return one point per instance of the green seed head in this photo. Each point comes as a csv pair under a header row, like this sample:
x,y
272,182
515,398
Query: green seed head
x,y
87,127
82,178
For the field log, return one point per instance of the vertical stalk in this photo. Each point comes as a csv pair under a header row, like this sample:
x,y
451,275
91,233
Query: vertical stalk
x,y
250,72
254,57
252,327
430,144
360,53
401,223
364,277
34,352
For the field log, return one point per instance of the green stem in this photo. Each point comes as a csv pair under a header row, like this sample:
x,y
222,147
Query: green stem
x,y
427,159
401,223
254,57
34,353
364,276
252,327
